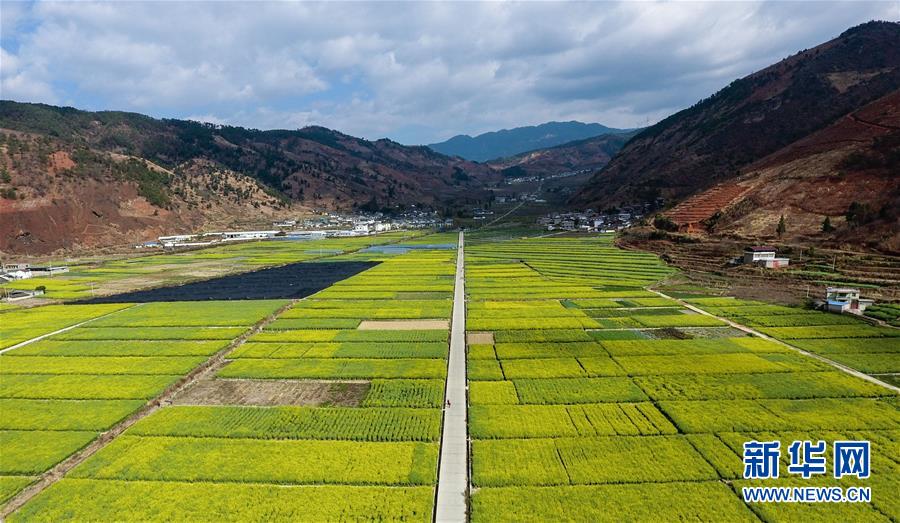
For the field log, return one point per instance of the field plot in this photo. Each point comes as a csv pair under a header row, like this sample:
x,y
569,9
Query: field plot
x,y
313,418
58,394
593,399
288,281
88,278
209,501
840,338
23,325
590,397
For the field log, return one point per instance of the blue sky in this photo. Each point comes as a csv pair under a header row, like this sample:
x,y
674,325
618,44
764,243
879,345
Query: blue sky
x,y
412,72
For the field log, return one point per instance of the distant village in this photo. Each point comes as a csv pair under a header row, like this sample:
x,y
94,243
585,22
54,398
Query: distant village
x,y
325,225
544,177
593,221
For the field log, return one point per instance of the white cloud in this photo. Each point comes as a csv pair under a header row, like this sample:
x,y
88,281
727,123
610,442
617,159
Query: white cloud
x,y
382,69
24,81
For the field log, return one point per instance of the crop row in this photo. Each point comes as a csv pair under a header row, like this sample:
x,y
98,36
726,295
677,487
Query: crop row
x,y
99,365
191,314
587,461
707,501
398,349
116,500
335,368
548,421
326,335
19,326
54,347
263,461
367,424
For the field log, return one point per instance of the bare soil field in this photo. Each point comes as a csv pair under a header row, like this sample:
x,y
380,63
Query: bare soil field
x,y
265,393
474,338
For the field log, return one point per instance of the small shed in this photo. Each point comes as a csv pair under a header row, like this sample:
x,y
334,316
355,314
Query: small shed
x,y
17,295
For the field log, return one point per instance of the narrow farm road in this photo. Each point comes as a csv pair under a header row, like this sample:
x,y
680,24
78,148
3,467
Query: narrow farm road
x,y
739,326
65,329
453,470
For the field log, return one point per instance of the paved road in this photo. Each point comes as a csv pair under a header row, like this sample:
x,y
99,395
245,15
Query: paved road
x,y
453,473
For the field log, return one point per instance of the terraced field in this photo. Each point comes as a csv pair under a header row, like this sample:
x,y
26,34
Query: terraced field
x,y
593,399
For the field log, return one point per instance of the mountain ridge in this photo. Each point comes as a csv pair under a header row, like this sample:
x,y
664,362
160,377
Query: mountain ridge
x,y
495,145
751,118
579,155
282,171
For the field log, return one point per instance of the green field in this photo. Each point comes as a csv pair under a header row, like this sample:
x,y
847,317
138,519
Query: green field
x,y
639,416
590,397
377,458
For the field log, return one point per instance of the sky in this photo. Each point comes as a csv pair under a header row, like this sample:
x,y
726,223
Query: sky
x,y
413,72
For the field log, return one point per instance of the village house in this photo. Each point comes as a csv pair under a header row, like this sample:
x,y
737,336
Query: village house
x,y
8,274
845,299
248,235
764,256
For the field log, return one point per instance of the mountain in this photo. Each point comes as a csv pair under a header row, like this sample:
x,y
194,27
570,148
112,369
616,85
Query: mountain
x,y
589,154
848,172
722,137
77,179
509,142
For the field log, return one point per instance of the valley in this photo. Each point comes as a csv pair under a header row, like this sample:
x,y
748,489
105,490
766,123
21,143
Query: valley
x,y
646,269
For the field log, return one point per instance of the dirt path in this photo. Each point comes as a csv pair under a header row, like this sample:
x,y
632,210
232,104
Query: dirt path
x,y
65,329
514,209
204,371
754,332
883,127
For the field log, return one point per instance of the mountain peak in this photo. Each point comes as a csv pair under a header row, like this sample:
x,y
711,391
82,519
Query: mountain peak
x,y
509,142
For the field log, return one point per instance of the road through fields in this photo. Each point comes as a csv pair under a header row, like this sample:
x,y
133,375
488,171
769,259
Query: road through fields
x,y
453,472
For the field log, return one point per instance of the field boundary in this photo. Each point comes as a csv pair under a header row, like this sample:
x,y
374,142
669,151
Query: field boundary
x,y
65,329
202,371
739,326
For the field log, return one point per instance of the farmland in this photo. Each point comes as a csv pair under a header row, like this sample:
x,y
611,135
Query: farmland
x,y
590,397
289,444
94,277
594,399
840,338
